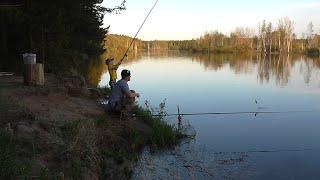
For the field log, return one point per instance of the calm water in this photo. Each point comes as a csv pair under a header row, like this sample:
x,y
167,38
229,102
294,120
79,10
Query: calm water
x,y
233,146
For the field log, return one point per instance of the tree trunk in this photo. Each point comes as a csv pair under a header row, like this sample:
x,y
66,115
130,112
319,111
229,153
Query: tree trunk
x,y
270,46
222,41
279,43
34,75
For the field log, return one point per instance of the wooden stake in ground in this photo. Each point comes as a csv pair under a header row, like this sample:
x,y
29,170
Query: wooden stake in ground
x,y
34,75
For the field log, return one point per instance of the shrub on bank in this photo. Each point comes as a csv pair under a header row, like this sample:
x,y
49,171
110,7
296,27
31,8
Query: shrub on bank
x,y
163,134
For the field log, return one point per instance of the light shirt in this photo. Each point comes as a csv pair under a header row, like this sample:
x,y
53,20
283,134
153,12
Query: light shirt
x,y
118,92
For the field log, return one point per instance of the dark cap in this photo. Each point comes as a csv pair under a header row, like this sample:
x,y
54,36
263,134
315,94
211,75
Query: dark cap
x,y
125,73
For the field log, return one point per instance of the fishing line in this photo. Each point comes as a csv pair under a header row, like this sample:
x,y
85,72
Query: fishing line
x,y
224,113
279,150
265,151
139,30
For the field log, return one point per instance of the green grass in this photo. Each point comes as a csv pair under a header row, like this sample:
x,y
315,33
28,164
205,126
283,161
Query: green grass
x,y
79,138
119,157
162,133
11,167
70,129
7,156
77,142
102,122
14,152
10,112
10,85
134,138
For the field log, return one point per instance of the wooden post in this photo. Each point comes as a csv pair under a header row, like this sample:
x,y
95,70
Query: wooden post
x,y
34,75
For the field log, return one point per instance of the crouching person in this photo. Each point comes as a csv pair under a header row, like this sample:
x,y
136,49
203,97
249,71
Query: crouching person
x,y
121,98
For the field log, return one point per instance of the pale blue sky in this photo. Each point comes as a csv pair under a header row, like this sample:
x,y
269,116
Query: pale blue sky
x,y
187,19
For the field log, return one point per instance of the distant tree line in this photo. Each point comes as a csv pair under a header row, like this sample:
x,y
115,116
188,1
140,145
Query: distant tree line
x,y
66,35
270,39
116,46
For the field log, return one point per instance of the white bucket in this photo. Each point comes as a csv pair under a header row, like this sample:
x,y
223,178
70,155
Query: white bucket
x,y
29,58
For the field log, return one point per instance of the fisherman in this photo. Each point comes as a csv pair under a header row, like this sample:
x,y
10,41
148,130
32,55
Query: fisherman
x,y
121,98
112,68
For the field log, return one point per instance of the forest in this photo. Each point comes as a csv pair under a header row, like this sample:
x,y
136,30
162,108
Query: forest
x,y
266,39
67,36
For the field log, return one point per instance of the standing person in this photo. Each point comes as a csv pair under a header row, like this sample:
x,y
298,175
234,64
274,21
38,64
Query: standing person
x,y
121,98
112,68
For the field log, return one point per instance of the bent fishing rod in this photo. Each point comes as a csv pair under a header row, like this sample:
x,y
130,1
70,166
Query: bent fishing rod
x,y
125,54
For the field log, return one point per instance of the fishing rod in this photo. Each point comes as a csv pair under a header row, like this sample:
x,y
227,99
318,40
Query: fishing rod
x,y
222,113
125,54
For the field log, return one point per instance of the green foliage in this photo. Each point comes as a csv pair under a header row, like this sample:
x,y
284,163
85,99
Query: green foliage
x,y
70,129
15,156
163,134
80,138
136,139
65,35
119,157
10,85
116,46
101,121
241,40
8,166
143,113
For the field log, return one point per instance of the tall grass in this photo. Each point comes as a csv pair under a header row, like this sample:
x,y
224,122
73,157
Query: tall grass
x,y
7,155
163,134
80,138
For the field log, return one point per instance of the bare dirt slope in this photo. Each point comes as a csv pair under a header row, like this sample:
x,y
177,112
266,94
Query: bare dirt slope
x,y
60,131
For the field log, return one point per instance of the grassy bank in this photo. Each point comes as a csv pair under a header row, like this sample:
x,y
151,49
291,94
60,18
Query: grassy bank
x,y
162,134
46,132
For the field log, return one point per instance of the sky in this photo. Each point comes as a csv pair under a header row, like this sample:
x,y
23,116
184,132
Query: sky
x,y
187,19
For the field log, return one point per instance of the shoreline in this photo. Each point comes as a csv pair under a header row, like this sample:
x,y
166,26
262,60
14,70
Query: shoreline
x,y
60,131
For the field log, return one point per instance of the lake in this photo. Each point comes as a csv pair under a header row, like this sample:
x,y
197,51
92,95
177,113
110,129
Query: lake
x,y
238,146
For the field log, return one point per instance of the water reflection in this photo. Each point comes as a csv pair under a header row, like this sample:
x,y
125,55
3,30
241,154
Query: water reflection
x,y
273,67
230,82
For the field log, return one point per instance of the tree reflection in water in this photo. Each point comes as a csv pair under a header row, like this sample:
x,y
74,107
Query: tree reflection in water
x,y
277,67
